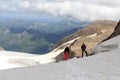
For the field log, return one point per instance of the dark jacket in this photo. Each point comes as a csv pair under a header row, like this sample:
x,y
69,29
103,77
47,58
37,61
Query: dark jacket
x,y
83,46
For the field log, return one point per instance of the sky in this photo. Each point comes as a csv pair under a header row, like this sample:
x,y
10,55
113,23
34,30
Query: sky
x,y
83,10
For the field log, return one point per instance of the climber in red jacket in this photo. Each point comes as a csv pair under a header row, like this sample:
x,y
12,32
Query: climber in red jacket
x,y
66,53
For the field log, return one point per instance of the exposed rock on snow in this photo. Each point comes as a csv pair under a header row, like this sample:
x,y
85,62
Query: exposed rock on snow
x,y
116,32
91,35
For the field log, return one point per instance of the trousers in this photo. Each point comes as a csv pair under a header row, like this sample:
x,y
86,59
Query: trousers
x,y
66,55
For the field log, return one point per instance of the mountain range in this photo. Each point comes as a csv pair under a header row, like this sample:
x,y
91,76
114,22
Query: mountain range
x,y
34,37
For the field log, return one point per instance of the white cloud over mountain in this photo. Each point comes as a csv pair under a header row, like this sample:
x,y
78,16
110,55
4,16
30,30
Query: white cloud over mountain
x,y
80,9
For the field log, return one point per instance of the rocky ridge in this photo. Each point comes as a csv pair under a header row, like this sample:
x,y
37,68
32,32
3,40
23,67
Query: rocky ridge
x,y
115,33
91,35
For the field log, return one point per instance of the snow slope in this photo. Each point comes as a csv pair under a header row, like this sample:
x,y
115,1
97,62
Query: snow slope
x,y
102,66
50,57
11,59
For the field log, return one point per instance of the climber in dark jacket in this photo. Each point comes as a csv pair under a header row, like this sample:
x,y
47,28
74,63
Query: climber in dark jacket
x,y
83,48
66,53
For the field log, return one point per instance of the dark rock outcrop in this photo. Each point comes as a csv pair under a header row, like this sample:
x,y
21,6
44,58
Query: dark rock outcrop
x,y
115,33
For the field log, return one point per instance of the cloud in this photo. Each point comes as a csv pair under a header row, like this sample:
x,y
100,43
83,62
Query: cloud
x,y
84,10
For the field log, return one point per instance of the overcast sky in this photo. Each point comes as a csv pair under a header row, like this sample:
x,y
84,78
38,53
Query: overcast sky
x,y
84,10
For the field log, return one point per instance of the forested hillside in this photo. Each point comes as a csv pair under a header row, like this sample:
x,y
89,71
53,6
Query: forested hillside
x,y
32,36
